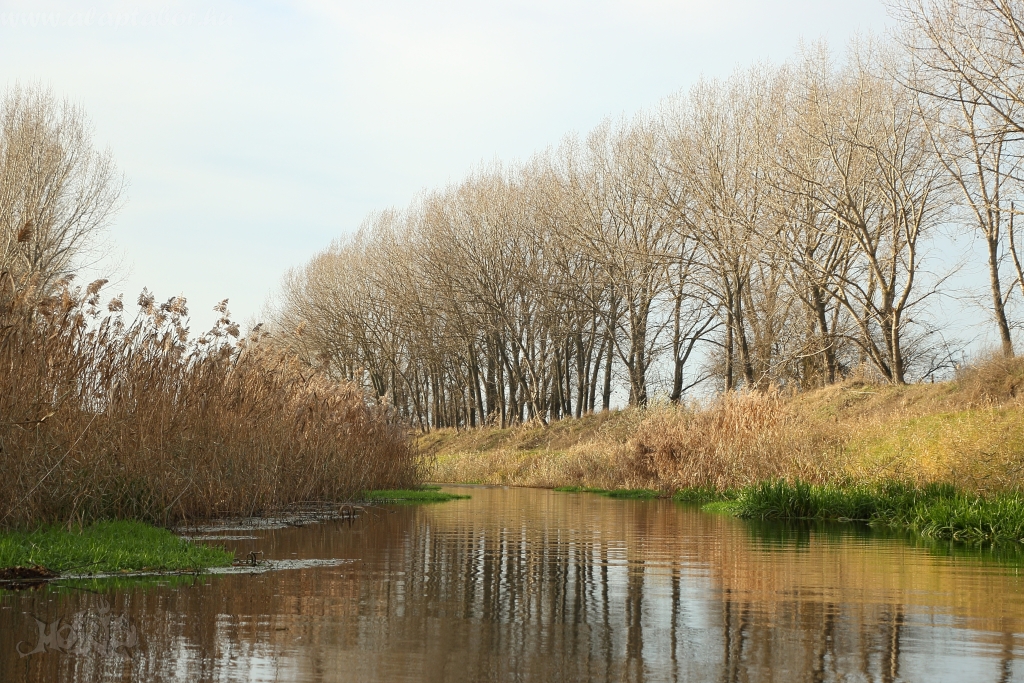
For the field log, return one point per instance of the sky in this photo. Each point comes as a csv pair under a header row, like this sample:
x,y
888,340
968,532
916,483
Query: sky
x,y
252,134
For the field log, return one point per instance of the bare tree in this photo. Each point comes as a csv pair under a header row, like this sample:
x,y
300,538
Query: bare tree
x,y
781,216
716,153
56,191
627,229
972,48
966,63
884,191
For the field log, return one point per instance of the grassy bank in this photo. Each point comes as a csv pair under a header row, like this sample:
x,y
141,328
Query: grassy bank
x,y
937,510
107,547
586,453
832,453
969,431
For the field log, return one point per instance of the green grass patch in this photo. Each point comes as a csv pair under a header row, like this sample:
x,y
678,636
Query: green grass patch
x,y
634,494
107,547
426,494
721,507
936,511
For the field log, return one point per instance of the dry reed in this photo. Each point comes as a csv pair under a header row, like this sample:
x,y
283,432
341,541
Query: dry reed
x,y
593,465
103,418
739,439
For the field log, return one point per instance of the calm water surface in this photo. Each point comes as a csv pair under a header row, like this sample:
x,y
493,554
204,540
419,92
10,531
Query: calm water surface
x,y
532,585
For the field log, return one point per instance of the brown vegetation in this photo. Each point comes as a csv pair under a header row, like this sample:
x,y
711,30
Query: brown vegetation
x,y
969,431
739,439
107,417
102,418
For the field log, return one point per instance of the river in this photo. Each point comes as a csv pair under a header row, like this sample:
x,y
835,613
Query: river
x,y
534,585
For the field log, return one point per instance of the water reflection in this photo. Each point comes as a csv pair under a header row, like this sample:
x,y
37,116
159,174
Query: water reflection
x,y
521,584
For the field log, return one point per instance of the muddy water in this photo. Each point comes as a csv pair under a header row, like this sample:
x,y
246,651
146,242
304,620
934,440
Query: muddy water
x,y
532,585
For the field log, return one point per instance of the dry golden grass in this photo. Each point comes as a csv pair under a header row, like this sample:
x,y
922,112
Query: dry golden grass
x,y
969,432
102,418
739,439
586,452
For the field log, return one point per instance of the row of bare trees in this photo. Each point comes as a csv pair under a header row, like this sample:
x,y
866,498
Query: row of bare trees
x,y
772,228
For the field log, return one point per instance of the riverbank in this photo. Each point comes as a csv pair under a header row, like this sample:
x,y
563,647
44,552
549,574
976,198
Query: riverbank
x,y
882,454
969,431
104,547
107,547
937,510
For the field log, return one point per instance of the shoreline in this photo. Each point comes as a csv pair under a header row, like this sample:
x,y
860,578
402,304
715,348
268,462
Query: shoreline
x,y
105,547
940,459
937,511
134,548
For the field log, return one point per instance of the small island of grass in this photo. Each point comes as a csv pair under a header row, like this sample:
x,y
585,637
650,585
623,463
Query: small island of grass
x,y
629,494
106,546
425,494
722,507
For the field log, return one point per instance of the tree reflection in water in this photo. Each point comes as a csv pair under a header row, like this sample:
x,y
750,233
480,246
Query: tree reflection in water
x,y
524,584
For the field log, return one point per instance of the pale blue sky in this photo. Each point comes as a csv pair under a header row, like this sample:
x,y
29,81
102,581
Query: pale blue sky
x,y
254,133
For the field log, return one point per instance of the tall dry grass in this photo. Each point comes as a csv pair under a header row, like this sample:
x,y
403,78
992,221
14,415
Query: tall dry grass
x,y
107,417
739,439
590,452
592,464
969,432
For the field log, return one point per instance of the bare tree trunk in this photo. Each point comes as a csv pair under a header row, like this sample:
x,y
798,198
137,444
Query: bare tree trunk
x,y
741,340
606,392
730,383
596,371
997,296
